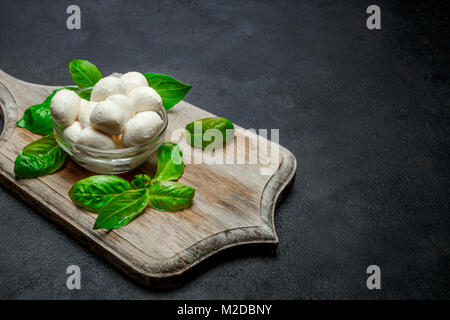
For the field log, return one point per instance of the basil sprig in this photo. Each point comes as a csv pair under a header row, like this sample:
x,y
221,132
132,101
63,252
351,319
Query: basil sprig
x,y
94,192
117,204
170,89
41,157
201,133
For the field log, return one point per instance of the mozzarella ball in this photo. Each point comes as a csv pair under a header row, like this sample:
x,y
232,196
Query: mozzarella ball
x,y
108,117
73,131
82,103
65,106
96,139
85,112
134,80
141,128
145,99
125,103
106,87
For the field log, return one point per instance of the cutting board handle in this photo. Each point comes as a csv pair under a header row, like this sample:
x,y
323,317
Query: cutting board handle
x,y
9,113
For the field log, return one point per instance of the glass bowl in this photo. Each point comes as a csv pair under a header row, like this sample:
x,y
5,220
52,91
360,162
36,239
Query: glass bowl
x,y
110,161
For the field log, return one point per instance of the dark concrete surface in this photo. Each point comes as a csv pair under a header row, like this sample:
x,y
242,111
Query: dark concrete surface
x,y
366,113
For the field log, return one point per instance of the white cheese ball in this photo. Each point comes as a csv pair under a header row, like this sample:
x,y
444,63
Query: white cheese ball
x,y
106,87
73,131
134,80
82,103
96,139
108,117
65,106
145,99
85,112
141,128
125,103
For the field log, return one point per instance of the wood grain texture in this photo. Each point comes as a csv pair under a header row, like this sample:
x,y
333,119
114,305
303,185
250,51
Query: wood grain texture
x,y
234,203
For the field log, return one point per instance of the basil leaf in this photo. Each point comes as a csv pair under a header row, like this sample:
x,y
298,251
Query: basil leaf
x,y
94,192
170,89
170,162
196,131
84,73
170,196
37,118
121,209
141,181
41,157
85,94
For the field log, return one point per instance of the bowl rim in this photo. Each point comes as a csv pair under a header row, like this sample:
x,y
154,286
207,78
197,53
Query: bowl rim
x,y
135,148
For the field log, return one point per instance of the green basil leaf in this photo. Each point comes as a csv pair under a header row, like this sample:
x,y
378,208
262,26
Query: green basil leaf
x,y
85,94
170,196
41,157
170,89
141,181
84,73
37,118
195,131
94,192
121,209
170,162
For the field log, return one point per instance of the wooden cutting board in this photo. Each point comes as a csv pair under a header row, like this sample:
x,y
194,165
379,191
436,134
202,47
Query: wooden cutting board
x,y
234,203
